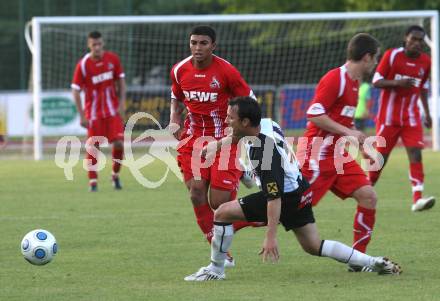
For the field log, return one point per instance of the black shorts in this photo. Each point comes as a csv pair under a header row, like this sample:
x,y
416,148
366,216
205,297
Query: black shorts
x,y
294,214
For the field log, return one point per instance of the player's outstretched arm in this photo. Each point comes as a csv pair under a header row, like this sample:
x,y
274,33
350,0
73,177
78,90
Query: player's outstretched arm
x,y
394,83
269,249
327,124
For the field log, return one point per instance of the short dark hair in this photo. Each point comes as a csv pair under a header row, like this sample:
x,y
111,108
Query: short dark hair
x,y
360,45
414,28
204,30
247,108
94,35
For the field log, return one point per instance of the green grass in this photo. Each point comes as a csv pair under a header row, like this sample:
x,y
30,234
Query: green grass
x,y
139,243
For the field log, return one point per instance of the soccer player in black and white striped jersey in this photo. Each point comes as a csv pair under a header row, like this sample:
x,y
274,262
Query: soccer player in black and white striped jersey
x,y
285,198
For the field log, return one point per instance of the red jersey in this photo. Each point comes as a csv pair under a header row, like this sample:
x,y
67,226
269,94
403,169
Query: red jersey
x,y
97,79
205,93
398,106
336,96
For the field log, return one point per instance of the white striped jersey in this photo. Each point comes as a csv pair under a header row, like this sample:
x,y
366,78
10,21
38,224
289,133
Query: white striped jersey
x,y
271,162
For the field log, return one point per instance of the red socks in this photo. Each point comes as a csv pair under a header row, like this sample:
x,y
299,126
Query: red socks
x,y
117,154
416,178
363,227
205,220
93,176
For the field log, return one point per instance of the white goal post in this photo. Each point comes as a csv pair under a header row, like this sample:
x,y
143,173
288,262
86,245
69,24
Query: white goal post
x,y
265,32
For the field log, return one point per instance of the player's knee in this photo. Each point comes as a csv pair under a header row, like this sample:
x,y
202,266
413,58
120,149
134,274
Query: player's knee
x,y
221,213
415,155
311,249
368,199
197,195
216,202
118,145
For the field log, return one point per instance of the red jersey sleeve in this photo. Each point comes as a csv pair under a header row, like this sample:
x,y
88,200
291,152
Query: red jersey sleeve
x,y
78,78
384,67
119,70
176,90
237,84
326,94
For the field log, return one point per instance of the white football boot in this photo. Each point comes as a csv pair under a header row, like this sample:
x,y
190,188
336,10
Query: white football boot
x,y
384,266
423,204
205,274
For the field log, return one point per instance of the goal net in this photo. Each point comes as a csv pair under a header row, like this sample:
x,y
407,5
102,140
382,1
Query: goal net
x,y
281,56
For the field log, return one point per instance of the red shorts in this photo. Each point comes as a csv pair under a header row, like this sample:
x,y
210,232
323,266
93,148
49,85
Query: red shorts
x,y
111,127
343,185
223,173
412,136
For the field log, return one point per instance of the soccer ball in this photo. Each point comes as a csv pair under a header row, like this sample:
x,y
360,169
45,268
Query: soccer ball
x,y
39,247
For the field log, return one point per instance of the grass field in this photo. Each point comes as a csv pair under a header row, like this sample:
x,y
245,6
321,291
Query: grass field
x,y
138,244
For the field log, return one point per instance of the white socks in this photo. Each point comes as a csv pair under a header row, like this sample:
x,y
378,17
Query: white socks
x,y
223,234
344,254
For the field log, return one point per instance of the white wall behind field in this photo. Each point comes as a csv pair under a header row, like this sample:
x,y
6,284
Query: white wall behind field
x,y
19,121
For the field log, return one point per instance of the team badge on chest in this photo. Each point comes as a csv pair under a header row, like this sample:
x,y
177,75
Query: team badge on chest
x,y
215,84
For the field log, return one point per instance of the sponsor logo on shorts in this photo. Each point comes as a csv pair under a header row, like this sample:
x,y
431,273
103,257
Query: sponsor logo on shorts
x,y
272,188
227,182
305,199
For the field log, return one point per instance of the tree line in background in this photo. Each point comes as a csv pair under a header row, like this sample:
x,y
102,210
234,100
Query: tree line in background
x,y
15,57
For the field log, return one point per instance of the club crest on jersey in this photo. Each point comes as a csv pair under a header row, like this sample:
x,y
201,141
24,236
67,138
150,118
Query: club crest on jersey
x,y
110,66
215,84
421,72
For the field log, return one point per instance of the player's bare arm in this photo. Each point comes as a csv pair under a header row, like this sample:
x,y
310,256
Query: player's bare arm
x,y
77,97
270,245
424,99
121,89
216,146
176,110
395,83
327,124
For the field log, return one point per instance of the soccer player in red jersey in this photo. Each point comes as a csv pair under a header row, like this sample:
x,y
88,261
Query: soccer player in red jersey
x,y
330,116
100,76
203,83
403,75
